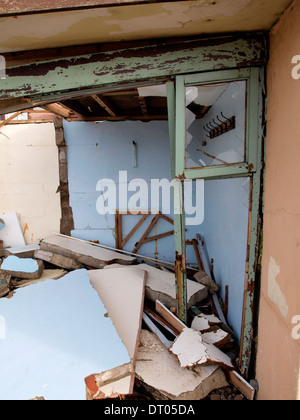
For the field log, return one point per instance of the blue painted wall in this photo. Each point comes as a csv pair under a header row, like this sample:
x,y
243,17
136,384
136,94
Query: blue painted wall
x,y
97,151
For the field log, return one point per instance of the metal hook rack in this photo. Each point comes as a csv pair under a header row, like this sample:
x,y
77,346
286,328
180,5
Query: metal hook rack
x,y
215,129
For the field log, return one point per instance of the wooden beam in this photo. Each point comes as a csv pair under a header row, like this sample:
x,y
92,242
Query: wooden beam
x,y
78,116
157,237
196,250
58,110
143,105
105,104
152,224
105,70
134,230
12,117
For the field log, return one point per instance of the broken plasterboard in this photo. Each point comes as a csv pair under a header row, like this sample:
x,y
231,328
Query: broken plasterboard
x,y
58,335
11,234
47,275
84,252
24,268
26,251
203,322
192,350
159,371
161,286
123,294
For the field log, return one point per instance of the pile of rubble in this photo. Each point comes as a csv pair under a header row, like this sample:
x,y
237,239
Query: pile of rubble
x,y
168,359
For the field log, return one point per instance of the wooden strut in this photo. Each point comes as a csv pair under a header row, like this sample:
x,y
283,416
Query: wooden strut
x,y
120,242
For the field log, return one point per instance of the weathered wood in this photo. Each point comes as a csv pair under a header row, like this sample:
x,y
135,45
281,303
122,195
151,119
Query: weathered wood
x,y
169,317
148,230
9,119
105,104
196,250
242,385
133,230
161,321
101,71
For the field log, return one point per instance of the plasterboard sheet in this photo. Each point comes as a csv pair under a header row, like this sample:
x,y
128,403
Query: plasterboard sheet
x,y
11,234
161,285
56,335
84,252
123,293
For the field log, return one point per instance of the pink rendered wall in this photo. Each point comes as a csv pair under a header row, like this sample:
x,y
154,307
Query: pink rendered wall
x,y
279,338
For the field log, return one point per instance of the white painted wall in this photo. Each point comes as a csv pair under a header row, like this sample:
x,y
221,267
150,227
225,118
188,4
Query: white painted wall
x,y
29,178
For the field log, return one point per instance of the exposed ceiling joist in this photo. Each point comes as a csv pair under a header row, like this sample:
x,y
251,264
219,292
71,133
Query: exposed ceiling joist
x,y
105,104
58,110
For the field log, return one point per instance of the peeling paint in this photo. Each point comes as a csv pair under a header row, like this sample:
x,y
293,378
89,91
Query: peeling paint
x,y
144,21
274,292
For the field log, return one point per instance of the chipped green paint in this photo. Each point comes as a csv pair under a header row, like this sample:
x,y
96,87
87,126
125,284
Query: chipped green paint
x,y
251,168
108,69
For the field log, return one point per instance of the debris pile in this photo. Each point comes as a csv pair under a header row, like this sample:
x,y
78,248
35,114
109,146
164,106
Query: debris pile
x,y
168,359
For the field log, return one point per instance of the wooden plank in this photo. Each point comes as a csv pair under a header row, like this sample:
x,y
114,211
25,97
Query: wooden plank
x,y
169,317
105,104
134,230
161,321
157,237
58,110
166,218
199,261
242,385
8,120
78,116
143,105
118,245
155,62
141,241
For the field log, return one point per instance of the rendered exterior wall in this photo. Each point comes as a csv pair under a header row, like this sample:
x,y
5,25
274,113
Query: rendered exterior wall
x,y
29,178
279,339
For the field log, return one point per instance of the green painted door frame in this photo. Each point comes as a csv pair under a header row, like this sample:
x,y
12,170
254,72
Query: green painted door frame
x,y
252,167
